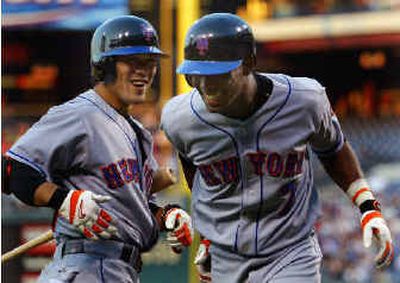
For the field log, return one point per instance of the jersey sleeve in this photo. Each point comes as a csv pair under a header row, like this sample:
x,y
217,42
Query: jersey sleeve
x,y
171,125
54,144
328,136
149,147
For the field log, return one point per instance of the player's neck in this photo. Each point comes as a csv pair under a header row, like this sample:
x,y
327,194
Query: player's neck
x,y
245,105
251,96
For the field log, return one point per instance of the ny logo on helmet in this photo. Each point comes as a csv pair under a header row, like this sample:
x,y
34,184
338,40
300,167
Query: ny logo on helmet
x,y
148,33
202,45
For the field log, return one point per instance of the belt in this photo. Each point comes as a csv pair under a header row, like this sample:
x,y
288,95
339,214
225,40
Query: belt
x,y
109,249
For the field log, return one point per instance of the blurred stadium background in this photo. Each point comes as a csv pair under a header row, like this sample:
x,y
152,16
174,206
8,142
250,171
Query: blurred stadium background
x,y
350,46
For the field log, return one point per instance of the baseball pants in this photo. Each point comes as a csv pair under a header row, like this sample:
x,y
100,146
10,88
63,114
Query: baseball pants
x,y
84,261
300,263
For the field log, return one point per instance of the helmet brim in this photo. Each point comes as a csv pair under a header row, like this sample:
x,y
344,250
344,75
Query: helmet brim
x,y
195,67
132,50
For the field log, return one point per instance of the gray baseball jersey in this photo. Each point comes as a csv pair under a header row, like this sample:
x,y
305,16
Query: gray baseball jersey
x,y
253,188
86,144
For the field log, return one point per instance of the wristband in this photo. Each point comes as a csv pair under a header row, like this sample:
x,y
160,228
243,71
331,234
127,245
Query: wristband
x,y
370,205
58,197
361,195
154,208
359,192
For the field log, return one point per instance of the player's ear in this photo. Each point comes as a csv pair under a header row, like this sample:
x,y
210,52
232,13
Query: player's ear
x,y
249,63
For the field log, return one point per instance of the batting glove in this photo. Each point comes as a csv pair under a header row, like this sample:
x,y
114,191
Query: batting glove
x,y
203,261
375,228
373,225
81,208
179,224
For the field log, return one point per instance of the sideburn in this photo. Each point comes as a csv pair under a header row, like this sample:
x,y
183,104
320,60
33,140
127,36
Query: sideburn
x,y
110,71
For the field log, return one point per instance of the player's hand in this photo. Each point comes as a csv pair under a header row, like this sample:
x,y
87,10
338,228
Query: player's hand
x,y
375,229
179,224
81,208
203,261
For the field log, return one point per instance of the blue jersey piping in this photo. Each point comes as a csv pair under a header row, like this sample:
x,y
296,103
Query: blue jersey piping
x,y
37,167
333,149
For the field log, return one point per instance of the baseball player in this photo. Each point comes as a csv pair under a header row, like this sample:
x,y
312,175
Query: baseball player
x,y
245,140
93,163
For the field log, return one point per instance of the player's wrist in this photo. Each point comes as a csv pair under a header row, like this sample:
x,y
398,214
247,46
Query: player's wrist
x,y
370,205
359,191
58,197
361,195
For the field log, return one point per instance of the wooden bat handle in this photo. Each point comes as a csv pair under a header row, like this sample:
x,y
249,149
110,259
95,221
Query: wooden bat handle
x,y
45,237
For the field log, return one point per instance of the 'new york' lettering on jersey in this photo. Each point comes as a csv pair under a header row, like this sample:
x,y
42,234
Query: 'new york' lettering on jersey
x,y
252,191
271,163
124,171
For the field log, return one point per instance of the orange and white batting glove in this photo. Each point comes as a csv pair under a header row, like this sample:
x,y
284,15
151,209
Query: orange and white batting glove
x,y
203,261
179,224
81,208
373,225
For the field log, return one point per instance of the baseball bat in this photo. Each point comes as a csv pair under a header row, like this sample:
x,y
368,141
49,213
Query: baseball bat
x,y
163,178
41,239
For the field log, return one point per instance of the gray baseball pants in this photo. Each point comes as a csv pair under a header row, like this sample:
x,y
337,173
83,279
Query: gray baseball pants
x,y
299,263
84,261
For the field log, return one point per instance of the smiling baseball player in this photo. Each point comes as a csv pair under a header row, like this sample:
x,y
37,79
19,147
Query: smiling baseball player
x,y
245,140
93,163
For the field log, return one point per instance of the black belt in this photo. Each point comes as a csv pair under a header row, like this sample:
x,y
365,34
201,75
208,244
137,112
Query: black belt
x,y
109,249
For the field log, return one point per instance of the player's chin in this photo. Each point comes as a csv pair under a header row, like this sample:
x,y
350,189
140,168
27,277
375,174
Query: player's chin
x,y
135,98
213,105
138,93
214,109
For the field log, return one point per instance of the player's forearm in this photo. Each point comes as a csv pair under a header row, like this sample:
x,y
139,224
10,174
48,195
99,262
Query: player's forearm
x,y
43,194
343,167
48,194
345,170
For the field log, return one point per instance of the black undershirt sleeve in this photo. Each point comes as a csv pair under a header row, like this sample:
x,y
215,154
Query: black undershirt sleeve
x,y
21,179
